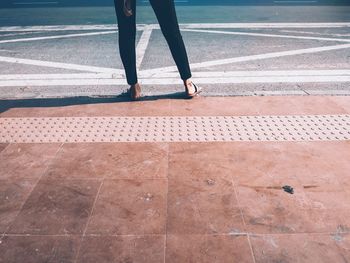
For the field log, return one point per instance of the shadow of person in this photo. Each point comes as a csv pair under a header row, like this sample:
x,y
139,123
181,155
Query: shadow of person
x,y
83,100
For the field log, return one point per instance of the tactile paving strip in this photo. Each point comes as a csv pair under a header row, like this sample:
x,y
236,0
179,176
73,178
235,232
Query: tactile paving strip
x,y
175,129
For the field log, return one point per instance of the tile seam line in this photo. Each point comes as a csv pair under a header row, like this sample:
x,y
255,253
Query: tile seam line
x,y
247,234
331,98
90,214
3,150
167,205
185,25
99,178
88,222
30,193
181,234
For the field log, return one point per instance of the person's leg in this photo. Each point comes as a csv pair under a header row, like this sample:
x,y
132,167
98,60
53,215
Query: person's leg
x,y
127,36
166,16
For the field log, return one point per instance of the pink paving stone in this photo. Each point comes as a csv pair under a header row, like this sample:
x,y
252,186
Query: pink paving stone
x,y
301,248
39,249
13,194
219,106
26,160
110,160
185,202
118,108
342,101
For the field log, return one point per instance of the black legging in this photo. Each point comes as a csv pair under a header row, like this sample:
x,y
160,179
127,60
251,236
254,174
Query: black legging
x,y
166,16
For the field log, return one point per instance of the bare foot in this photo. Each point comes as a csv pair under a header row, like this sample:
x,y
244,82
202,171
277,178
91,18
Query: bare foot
x,y
135,91
188,85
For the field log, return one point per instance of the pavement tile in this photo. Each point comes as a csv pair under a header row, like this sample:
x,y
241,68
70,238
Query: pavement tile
x,y
207,248
114,160
342,101
26,160
259,105
299,164
301,248
13,194
208,106
305,105
274,211
3,146
91,108
208,160
121,249
38,249
328,199
130,207
57,207
333,164
201,197
205,106
202,206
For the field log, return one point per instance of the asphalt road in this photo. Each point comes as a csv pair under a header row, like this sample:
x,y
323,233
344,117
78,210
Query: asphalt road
x,y
233,50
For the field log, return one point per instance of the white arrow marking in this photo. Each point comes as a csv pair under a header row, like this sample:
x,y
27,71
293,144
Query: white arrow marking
x,y
51,64
151,72
55,37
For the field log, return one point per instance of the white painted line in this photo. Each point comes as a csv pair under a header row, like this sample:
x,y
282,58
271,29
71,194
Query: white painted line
x,y
211,63
142,45
279,92
196,74
35,3
295,2
64,28
257,73
55,37
266,25
200,79
327,92
315,33
60,76
51,64
182,25
18,34
266,35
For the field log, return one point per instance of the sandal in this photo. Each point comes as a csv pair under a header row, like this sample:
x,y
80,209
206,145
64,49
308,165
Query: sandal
x,y
197,91
135,91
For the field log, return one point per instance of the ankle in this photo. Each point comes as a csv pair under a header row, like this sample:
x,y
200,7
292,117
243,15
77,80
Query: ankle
x,y
187,82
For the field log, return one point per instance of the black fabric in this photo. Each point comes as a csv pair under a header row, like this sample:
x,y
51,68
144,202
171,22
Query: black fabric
x,y
167,19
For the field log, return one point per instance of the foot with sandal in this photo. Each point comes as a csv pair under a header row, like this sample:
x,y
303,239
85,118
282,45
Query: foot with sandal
x,y
191,90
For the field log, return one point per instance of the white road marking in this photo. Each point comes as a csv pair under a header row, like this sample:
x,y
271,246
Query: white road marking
x,y
295,2
55,37
265,25
294,76
35,3
258,73
327,92
65,28
211,63
60,76
52,64
142,45
315,33
182,25
169,75
266,35
197,74
18,34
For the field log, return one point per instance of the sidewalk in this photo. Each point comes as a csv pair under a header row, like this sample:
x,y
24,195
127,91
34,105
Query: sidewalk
x,y
174,180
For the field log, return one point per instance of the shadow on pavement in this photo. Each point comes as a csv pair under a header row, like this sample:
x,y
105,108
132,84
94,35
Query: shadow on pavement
x,y
61,102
